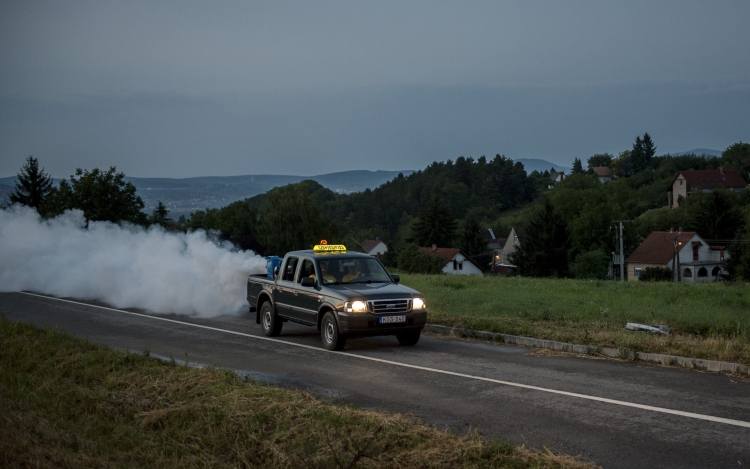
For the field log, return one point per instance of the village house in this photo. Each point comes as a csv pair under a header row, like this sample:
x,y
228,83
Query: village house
x,y
496,245
689,256
704,180
555,178
603,173
456,261
375,247
514,239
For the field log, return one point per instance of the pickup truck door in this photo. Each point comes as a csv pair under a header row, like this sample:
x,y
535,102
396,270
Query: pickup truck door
x,y
283,294
306,299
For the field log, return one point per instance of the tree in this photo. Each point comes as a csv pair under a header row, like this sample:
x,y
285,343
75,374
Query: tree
x,y
577,166
599,159
623,166
714,215
590,264
737,264
101,195
737,156
435,225
159,216
412,261
33,185
544,250
648,149
472,239
642,153
293,221
637,155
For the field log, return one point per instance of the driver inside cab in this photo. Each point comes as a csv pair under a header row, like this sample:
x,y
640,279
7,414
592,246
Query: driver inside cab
x,y
327,278
354,272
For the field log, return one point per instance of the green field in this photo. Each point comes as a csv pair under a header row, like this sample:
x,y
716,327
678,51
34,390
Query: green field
x,y
67,403
710,320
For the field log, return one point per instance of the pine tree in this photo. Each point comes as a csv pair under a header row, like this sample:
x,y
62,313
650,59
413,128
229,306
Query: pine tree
x,y
648,148
472,240
544,249
435,225
637,155
577,166
159,215
33,185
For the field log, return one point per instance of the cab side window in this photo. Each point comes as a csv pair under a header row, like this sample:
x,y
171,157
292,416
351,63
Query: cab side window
x,y
306,270
289,269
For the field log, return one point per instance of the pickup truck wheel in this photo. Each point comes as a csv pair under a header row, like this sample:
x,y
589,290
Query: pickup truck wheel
x,y
269,321
409,337
329,332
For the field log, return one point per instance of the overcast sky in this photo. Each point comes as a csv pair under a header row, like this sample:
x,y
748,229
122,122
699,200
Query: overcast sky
x,y
185,88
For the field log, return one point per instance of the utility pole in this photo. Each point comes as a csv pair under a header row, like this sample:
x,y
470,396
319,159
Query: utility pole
x,y
622,252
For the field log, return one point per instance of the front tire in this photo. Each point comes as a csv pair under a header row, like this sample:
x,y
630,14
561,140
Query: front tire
x,y
269,321
409,337
329,333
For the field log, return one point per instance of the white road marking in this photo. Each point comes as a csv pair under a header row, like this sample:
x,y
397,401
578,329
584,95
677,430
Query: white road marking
x,y
710,418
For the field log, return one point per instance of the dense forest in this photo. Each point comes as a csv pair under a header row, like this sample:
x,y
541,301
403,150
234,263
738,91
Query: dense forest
x,y
451,204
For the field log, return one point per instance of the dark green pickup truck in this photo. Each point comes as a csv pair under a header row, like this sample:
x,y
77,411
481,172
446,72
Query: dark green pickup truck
x,y
344,294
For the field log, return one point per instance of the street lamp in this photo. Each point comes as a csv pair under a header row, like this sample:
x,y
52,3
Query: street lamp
x,y
676,259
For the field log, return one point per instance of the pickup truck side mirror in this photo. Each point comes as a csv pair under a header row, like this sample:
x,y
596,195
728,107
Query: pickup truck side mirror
x,y
307,282
396,278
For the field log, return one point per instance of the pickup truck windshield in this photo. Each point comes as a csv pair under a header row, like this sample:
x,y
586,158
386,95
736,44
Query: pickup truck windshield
x,y
340,269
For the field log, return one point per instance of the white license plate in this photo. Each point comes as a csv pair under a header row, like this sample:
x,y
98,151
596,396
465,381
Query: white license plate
x,y
391,319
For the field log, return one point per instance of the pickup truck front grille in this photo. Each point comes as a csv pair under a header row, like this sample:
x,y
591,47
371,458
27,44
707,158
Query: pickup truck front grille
x,y
389,306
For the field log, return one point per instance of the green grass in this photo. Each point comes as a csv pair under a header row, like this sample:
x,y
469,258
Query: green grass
x,y
709,320
67,403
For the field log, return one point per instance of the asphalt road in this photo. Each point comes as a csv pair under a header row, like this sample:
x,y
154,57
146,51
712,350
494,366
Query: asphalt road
x,y
618,414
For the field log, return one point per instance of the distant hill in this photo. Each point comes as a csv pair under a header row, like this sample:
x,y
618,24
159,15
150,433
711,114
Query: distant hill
x,y
701,151
182,196
6,188
531,164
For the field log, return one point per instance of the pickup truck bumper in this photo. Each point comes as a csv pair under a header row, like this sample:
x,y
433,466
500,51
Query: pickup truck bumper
x,y
368,324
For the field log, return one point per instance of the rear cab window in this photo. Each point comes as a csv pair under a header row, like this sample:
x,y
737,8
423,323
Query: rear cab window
x,y
307,269
290,268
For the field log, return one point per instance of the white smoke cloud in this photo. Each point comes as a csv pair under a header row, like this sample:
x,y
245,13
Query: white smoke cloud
x,y
124,266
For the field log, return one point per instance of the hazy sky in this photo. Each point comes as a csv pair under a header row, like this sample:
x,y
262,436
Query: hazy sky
x,y
185,88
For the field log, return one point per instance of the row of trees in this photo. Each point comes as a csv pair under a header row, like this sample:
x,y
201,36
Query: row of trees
x,y
448,204
101,195
585,209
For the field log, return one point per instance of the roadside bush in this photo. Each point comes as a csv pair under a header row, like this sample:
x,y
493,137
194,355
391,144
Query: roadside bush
x,y
415,262
590,264
656,274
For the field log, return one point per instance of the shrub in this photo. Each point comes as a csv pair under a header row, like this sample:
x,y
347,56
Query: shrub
x,y
656,274
591,264
412,261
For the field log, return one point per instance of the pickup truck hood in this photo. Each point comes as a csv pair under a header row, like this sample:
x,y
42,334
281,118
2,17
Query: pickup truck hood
x,y
374,291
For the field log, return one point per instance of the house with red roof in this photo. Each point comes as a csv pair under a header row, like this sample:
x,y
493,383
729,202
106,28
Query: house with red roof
x,y
456,261
705,180
375,247
603,173
688,255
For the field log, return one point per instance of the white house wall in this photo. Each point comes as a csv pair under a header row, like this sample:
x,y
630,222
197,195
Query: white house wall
x,y
467,267
379,248
707,258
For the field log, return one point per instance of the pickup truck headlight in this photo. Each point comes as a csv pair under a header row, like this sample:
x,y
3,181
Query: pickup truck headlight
x,y
418,303
355,307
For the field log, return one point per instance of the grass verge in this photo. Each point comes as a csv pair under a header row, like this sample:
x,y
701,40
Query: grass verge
x,y
710,320
67,403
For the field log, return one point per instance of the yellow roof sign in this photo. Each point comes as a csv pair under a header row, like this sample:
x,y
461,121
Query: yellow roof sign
x,y
329,247
325,247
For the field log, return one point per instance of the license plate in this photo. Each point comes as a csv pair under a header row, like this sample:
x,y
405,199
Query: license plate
x,y
392,319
